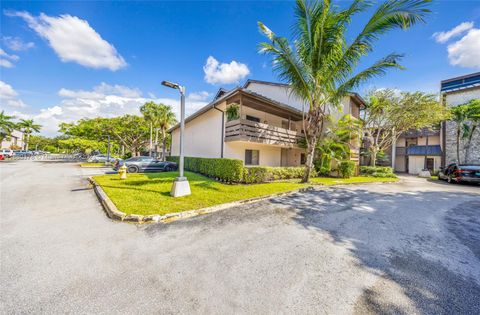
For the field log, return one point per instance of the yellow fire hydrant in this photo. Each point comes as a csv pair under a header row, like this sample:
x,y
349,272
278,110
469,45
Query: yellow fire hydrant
x,y
122,172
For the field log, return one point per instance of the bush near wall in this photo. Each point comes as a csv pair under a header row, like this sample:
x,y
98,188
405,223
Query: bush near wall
x,y
228,170
347,168
233,171
261,174
377,171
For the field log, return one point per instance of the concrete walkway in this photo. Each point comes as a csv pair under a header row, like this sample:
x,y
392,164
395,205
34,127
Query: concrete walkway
x,y
406,248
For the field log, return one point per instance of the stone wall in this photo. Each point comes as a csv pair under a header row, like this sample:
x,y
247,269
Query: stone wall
x,y
454,99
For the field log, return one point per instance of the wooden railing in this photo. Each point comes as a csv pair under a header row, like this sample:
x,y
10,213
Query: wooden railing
x,y
246,130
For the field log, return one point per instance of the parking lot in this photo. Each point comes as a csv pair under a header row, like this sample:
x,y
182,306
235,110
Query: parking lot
x,y
411,247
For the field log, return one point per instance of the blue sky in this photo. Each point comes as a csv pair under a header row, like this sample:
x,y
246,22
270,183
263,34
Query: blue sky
x,y
66,60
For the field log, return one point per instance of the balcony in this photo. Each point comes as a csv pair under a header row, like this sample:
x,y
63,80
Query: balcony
x,y
400,151
245,130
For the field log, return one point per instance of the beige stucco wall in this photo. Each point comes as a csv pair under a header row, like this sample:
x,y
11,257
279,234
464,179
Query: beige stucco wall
x,y
16,138
269,155
416,163
279,93
433,140
203,136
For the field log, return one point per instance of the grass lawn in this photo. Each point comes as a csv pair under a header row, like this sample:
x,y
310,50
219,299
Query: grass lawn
x,y
351,180
149,193
92,164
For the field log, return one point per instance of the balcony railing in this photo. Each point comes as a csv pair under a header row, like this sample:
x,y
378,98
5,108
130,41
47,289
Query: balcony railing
x,y
246,130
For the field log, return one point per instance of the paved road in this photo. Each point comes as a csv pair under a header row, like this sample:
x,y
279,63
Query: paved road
x,y
406,248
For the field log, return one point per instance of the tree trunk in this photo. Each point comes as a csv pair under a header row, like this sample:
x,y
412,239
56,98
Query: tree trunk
x,y
151,140
164,144
458,143
26,144
310,155
156,143
373,156
468,144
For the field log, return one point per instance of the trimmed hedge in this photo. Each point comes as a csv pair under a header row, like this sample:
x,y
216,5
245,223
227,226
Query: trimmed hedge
x,y
347,168
228,170
377,171
232,170
261,174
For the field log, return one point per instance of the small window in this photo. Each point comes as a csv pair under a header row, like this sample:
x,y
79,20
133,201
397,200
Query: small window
x,y
252,157
252,118
303,158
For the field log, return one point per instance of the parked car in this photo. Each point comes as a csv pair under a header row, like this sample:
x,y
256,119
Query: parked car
x,y
456,173
23,153
101,158
7,153
146,164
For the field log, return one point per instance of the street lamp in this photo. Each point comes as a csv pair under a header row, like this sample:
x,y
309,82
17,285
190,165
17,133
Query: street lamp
x,y
180,187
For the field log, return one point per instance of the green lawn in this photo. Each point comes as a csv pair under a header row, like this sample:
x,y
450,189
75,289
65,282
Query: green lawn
x,y
149,193
351,180
92,164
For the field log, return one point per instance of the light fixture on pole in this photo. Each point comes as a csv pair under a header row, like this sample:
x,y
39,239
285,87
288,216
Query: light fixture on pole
x,y
180,187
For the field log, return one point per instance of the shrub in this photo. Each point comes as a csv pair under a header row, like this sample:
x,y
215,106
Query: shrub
x,y
346,168
228,170
377,171
261,174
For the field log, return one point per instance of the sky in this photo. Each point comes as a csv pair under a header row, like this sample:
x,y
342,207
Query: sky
x,y
62,61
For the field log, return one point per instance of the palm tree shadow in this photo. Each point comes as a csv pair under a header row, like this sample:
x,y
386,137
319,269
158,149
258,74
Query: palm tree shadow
x,y
387,233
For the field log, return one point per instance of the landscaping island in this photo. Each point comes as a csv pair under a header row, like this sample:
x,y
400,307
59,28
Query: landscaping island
x,y
149,193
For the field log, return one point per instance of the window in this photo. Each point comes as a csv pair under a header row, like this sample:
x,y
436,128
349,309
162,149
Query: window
x,y
303,158
252,118
252,157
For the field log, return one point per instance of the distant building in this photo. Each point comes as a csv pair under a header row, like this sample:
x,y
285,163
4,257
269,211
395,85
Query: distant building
x,y
454,92
14,140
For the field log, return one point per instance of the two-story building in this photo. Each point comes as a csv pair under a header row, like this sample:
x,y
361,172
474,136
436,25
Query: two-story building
x,y
265,131
14,141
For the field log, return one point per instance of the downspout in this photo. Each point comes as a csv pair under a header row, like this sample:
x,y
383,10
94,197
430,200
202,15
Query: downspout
x,y
223,131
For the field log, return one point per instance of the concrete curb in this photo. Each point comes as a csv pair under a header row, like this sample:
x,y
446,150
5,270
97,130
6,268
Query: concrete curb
x,y
113,212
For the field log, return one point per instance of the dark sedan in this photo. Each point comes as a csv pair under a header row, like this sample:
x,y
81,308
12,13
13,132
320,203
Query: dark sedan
x,y
146,164
456,173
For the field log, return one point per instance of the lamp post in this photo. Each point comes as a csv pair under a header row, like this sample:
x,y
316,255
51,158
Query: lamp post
x,y
180,187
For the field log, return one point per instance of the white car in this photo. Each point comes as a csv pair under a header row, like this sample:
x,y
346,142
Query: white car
x,y
7,153
100,158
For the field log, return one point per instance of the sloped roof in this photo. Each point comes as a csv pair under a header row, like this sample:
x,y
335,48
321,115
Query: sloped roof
x,y
424,150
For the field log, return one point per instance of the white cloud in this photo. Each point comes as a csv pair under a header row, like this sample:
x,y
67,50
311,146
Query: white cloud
x,y
466,51
224,73
102,100
443,37
198,96
9,97
17,44
5,63
73,39
6,59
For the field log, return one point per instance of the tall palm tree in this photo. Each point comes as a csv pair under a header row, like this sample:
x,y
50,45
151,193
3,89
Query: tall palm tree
x,y
28,127
166,120
161,117
6,125
319,63
460,117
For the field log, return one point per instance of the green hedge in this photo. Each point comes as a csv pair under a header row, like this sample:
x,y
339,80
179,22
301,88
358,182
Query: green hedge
x,y
232,170
347,168
261,174
228,170
377,171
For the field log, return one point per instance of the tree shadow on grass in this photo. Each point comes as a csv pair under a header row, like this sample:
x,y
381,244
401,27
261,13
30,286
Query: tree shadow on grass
x,y
391,234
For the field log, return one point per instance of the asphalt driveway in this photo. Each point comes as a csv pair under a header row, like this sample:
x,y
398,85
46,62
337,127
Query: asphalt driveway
x,y
406,248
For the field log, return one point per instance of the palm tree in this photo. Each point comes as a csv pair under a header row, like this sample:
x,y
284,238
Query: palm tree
x,y
319,63
6,125
166,120
28,127
460,117
161,117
